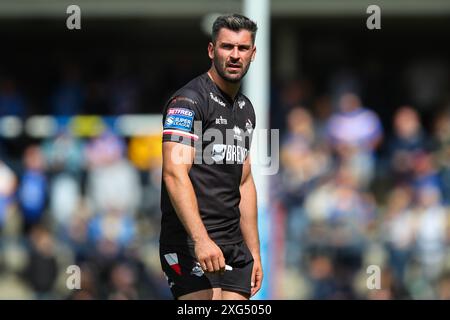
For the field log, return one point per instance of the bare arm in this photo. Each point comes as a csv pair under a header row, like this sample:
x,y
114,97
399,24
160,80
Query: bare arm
x,y
249,223
177,161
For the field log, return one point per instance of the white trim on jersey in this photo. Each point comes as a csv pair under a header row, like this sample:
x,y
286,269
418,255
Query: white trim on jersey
x,y
181,133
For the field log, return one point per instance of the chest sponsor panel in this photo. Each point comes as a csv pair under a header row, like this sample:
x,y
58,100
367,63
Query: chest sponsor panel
x,y
226,153
220,143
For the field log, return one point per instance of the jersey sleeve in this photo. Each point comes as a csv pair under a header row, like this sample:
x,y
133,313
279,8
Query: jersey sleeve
x,y
180,115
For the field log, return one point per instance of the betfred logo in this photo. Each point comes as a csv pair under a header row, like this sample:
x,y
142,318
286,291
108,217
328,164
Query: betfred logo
x,y
180,111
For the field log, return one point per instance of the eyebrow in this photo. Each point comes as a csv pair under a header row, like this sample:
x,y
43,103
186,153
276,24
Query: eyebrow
x,y
245,46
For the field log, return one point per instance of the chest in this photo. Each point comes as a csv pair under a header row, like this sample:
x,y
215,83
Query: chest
x,y
227,132
233,121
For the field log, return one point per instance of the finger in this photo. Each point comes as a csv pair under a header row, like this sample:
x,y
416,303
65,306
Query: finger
x,y
255,291
253,278
222,263
256,288
216,264
209,265
258,278
258,282
202,264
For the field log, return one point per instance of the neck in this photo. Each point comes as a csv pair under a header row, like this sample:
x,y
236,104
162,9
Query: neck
x,y
229,88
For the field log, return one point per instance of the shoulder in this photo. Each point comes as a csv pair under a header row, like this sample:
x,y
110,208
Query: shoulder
x,y
194,92
246,99
191,97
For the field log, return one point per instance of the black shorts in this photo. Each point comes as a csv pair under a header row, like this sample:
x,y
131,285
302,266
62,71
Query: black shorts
x,y
185,275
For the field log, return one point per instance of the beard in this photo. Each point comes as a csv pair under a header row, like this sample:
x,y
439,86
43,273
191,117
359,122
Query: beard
x,y
230,77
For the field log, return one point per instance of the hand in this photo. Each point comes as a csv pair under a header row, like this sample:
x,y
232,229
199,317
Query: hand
x,y
209,256
257,276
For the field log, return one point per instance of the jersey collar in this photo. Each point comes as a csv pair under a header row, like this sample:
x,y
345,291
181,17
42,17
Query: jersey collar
x,y
214,87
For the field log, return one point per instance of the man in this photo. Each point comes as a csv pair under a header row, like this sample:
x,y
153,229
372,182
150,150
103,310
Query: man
x,y
209,243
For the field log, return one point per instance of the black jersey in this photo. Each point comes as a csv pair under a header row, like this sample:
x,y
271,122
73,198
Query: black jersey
x,y
220,130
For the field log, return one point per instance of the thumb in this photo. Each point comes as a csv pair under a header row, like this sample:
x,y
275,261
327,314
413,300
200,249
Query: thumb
x,y
253,278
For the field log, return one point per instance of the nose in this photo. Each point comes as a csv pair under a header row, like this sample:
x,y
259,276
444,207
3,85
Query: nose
x,y
235,53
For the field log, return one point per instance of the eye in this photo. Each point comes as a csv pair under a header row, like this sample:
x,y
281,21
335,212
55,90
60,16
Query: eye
x,y
227,46
244,48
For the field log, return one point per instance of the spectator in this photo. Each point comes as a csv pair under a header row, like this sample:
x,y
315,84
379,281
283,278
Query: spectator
x,y
42,269
303,166
354,133
431,231
112,182
8,184
64,156
398,230
441,137
33,187
407,143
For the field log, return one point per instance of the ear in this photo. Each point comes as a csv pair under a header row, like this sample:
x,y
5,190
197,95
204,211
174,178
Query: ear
x,y
211,50
253,53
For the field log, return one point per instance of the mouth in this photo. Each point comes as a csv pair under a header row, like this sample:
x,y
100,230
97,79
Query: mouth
x,y
234,67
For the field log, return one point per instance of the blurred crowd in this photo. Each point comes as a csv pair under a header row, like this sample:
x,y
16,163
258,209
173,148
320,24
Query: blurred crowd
x,y
72,92
90,201
354,190
93,203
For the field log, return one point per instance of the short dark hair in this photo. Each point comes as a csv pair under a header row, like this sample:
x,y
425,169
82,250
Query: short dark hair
x,y
234,22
